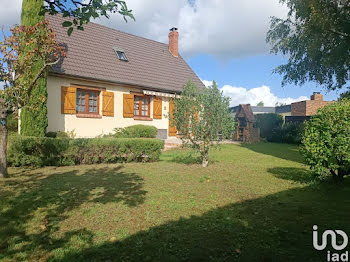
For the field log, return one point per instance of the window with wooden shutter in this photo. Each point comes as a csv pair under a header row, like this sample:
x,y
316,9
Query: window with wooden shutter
x,y
68,100
157,108
107,103
128,105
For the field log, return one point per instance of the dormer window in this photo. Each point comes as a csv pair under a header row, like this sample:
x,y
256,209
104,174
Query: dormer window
x,y
120,54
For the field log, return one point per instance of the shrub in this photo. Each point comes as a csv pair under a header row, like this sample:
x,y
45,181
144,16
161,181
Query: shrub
x,y
136,131
291,133
326,141
270,125
35,151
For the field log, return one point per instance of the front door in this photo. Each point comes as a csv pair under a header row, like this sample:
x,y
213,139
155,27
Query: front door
x,y
172,129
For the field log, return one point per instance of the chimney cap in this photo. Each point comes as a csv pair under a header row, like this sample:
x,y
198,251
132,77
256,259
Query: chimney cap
x,y
173,29
317,93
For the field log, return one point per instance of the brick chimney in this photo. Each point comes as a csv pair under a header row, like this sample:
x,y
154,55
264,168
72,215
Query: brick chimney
x,y
317,96
174,42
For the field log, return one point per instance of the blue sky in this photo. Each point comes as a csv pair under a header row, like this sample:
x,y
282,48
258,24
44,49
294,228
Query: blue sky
x,y
221,40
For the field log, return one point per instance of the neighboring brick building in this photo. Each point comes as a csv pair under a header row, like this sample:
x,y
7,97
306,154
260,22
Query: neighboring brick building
x,y
246,130
309,107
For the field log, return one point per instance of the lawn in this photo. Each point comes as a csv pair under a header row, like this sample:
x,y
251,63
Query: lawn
x,y
253,203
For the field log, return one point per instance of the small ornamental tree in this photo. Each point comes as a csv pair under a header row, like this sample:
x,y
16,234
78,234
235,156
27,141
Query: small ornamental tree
x,y
14,65
326,141
202,118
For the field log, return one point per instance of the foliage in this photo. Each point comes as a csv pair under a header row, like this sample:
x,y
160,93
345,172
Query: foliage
x,y
326,141
135,131
269,125
61,134
44,48
34,116
202,118
345,95
316,37
12,123
261,103
291,133
45,151
83,11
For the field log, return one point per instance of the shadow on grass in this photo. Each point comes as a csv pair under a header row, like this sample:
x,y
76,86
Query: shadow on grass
x,y
57,194
283,151
300,175
274,228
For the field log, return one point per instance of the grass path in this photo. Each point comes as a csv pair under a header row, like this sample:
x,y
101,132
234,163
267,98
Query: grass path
x,y
253,203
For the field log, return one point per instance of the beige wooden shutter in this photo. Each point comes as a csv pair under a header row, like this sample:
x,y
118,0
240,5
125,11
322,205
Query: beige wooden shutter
x,y
157,108
68,100
107,103
128,105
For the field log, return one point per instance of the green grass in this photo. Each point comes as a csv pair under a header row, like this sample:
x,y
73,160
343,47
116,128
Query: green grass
x,y
252,203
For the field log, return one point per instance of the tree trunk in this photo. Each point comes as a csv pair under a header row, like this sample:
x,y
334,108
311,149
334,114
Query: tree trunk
x,y
3,145
205,157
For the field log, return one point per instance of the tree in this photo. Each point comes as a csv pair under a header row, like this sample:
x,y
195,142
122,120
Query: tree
x,y
34,116
83,11
14,65
316,37
202,118
326,141
261,103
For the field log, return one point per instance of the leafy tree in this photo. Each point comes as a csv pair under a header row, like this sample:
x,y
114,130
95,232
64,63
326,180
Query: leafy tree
x,y
326,141
14,65
261,103
202,118
83,11
34,116
316,37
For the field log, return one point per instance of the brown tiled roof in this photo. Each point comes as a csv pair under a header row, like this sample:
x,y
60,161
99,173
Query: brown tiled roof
x,y
90,54
247,112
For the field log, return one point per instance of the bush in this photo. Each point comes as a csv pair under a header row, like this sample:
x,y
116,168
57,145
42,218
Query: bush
x,y
136,131
270,125
292,133
326,140
35,151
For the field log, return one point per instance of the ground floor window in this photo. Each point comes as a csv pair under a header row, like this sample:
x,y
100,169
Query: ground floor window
x,y
87,101
141,106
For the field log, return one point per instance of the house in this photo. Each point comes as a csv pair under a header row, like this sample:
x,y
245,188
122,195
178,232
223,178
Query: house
x,y
111,79
297,111
309,107
246,130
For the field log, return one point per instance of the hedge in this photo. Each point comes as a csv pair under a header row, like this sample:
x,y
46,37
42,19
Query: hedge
x,y
45,151
134,131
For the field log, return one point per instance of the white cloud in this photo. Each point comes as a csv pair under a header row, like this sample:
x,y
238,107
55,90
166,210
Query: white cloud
x,y
10,12
222,28
240,95
225,29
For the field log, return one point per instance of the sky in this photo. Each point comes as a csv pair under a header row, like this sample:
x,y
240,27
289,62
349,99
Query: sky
x,y
222,40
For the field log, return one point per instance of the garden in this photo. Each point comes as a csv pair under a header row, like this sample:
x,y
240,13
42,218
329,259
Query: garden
x,y
252,203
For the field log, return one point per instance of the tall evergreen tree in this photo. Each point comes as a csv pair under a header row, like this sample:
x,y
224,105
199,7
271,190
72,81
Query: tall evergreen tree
x,y
34,116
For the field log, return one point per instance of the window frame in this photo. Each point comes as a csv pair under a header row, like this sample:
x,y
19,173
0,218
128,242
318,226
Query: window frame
x,y
86,93
141,97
